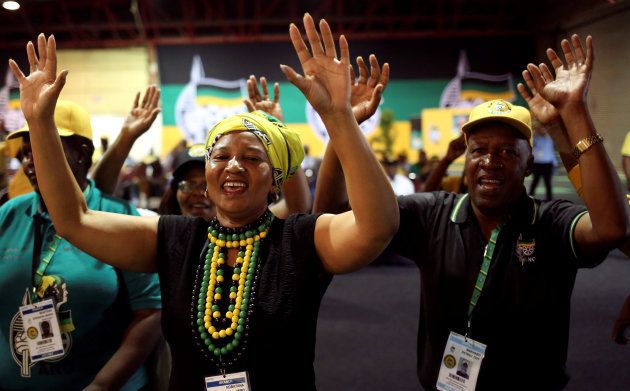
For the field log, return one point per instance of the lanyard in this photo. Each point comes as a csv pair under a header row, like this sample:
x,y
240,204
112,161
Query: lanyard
x,y
483,273
40,265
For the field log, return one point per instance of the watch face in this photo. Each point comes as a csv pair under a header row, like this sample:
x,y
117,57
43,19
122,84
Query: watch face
x,y
319,129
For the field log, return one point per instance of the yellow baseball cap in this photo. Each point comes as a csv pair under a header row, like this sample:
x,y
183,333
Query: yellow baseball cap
x,y
70,119
517,117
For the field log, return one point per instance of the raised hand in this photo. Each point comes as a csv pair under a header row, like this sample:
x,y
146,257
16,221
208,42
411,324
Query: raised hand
x,y
367,90
262,102
570,85
544,111
40,90
143,114
326,80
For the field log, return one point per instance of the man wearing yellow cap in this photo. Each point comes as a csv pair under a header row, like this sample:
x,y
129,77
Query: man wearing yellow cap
x,y
107,317
497,266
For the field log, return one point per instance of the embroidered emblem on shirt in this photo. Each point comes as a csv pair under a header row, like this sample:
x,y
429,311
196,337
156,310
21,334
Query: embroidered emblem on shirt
x,y
526,249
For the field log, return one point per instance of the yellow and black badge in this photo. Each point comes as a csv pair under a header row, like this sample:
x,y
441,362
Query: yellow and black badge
x,y
32,332
450,361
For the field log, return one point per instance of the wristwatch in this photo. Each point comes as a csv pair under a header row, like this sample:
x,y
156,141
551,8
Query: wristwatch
x,y
586,143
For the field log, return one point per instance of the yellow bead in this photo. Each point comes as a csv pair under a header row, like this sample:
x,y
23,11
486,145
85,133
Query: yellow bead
x,y
216,314
217,296
232,295
236,312
250,241
238,301
240,288
216,249
221,261
215,335
239,260
208,306
213,280
247,258
239,295
211,329
229,331
245,265
222,333
263,234
228,244
256,238
243,243
241,281
207,324
212,239
229,315
234,325
235,277
235,243
207,318
249,247
220,278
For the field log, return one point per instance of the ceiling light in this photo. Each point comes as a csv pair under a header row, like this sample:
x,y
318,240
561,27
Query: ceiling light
x,y
11,5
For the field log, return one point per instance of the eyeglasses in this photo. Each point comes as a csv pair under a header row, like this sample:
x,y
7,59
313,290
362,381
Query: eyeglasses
x,y
188,187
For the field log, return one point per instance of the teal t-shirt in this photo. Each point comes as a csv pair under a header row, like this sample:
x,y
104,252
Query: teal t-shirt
x,y
87,296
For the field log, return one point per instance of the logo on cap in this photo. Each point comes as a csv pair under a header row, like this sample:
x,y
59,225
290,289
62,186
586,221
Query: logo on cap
x,y
197,150
499,107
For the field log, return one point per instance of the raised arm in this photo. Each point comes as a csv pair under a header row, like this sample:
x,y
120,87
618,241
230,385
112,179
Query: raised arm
x,y
96,233
366,91
138,121
349,240
606,223
456,148
296,196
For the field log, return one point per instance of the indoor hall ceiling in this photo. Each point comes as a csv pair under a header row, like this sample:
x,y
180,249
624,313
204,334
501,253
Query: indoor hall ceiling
x,y
116,23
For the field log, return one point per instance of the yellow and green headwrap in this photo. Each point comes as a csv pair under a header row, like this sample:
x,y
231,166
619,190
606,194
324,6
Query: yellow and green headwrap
x,y
283,146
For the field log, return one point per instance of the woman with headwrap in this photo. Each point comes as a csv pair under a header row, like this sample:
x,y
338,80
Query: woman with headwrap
x,y
241,293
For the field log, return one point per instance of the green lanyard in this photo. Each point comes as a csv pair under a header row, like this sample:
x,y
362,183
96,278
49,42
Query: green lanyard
x,y
45,260
483,273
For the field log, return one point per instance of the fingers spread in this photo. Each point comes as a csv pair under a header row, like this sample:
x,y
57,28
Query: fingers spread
x,y
345,50
51,61
136,100
363,71
295,78
276,92
327,37
568,53
265,91
298,44
385,75
313,36
375,71
41,50
32,57
556,63
537,77
249,105
523,91
16,70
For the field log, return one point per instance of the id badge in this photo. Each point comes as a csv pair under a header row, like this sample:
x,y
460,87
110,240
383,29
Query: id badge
x,y
42,330
238,381
460,364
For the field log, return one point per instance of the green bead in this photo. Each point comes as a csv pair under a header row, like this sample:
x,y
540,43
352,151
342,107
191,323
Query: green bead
x,y
199,321
206,267
222,255
220,272
234,237
217,351
250,272
237,270
204,336
229,347
234,343
215,308
231,307
233,288
249,234
237,336
240,328
241,321
248,283
241,237
218,290
214,233
247,289
224,351
200,307
221,236
261,228
201,329
200,314
206,278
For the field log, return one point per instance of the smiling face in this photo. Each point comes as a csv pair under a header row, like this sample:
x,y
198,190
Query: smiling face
x,y
190,194
497,161
239,178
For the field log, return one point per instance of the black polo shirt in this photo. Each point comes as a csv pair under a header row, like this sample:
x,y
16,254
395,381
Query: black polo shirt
x,y
523,312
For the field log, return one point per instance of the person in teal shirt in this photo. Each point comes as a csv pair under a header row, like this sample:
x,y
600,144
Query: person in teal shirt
x,y
109,319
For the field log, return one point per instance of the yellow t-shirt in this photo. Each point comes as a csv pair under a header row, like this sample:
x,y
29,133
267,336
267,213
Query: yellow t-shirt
x,y
625,150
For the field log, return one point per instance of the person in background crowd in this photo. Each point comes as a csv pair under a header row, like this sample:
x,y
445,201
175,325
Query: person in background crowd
x,y
438,180
107,332
544,160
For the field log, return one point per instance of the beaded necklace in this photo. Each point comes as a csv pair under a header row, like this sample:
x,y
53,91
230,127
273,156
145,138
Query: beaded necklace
x,y
221,333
